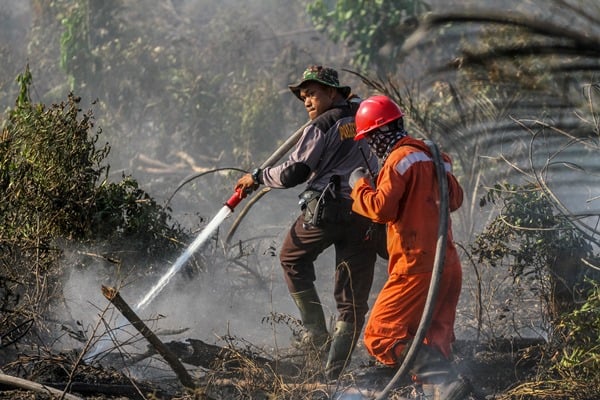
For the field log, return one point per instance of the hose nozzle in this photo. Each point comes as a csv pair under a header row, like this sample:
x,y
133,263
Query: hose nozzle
x,y
235,199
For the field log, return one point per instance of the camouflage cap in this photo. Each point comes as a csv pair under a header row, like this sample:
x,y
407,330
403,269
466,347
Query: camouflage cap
x,y
324,75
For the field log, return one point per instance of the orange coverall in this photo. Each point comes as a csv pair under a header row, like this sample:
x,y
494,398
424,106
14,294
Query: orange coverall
x,y
407,201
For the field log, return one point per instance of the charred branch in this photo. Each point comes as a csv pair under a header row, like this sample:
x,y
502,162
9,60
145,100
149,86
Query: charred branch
x,y
115,298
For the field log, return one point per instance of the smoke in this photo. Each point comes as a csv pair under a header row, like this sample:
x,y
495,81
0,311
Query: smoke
x,y
273,39
223,300
148,144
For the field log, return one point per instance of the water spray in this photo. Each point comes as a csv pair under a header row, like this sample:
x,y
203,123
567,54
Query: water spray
x,y
227,209
212,226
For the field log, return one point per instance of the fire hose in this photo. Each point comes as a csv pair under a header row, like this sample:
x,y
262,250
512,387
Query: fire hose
x,y
436,274
440,251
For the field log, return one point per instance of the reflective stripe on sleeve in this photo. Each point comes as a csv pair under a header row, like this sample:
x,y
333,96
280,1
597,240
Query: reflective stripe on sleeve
x,y
413,158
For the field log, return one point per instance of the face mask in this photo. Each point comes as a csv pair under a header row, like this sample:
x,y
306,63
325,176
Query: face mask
x,y
382,142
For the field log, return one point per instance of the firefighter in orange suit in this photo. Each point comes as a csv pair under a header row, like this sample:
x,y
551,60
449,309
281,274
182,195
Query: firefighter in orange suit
x,y
406,199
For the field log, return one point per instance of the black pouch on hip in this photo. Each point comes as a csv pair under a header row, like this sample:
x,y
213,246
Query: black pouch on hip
x,y
310,206
327,206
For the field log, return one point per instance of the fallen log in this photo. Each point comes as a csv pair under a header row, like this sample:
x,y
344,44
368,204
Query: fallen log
x,y
209,356
20,383
115,298
198,353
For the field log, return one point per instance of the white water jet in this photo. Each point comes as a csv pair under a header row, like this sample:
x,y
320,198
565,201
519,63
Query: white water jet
x,y
164,280
180,262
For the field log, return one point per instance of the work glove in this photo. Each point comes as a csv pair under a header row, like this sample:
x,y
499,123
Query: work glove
x,y
360,172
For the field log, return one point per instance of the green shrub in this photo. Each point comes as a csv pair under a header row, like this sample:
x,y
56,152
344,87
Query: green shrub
x,y
579,354
536,244
54,194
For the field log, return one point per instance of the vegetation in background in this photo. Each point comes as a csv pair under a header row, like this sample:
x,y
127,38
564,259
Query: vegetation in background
x,y
204,80
13,40
539,247
55,195
200,72
376,30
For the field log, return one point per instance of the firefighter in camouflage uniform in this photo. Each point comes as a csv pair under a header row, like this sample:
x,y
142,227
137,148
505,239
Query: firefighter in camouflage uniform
x,y
323,159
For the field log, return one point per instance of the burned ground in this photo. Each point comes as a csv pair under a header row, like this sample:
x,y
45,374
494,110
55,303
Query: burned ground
x,y
493,368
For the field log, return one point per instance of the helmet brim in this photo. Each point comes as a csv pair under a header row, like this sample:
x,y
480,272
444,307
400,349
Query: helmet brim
x,y
361,135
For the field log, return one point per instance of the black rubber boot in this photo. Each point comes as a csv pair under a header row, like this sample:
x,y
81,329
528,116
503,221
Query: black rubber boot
x,y
342,344
456,389
313,319
430,365
437,376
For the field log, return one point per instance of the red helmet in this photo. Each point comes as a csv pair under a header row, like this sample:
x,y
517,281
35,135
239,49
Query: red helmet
x,y
374,112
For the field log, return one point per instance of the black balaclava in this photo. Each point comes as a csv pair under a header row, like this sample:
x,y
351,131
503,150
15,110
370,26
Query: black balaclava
x,y
382,140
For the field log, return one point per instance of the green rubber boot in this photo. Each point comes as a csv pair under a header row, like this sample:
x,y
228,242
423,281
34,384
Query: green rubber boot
x,y
342,344
313,319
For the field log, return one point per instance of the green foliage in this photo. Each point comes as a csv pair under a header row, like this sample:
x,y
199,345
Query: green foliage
x,y
76,57
24,81
169,84
376,29
48,167
536,245
572,370
256,118
526,234
54,195
55,184
580,350
124,210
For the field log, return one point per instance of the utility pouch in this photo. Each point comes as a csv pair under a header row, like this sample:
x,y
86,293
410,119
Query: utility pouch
x,y
327,206
309,204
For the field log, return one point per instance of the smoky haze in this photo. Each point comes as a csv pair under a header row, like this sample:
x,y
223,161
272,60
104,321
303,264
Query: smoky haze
x,y
168,82
180,88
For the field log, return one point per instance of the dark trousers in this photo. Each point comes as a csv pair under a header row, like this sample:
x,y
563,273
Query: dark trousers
x,y
355,256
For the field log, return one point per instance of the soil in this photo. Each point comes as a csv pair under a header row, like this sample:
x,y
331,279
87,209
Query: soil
x,y
491,368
